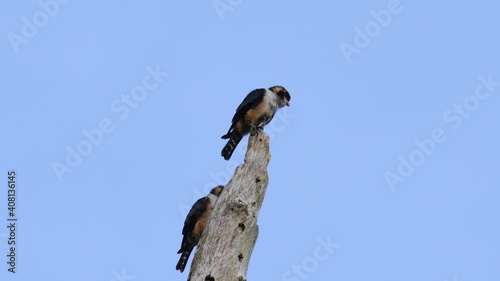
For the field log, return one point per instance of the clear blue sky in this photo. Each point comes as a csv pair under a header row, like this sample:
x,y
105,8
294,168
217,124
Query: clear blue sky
x,y
113,111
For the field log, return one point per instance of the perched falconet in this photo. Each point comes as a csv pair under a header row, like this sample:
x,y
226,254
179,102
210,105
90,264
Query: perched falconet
x,y
195,224
255,111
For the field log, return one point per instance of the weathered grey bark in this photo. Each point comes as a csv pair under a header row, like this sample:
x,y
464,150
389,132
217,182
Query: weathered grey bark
x,y
228,240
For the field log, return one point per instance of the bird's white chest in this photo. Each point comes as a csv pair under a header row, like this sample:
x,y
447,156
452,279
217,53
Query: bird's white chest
x,y
212,198
270,103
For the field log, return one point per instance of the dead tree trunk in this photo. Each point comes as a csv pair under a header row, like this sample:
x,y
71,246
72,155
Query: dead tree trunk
x,y
228,240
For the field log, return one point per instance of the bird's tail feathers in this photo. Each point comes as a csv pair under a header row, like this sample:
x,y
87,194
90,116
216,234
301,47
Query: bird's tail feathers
x,y
229,148
181,265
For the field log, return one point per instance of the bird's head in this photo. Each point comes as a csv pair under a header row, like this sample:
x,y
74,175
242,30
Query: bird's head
x,y
217,190
283,95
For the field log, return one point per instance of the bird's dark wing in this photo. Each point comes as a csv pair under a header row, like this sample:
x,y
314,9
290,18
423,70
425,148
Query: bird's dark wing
x,y
194,214
251,100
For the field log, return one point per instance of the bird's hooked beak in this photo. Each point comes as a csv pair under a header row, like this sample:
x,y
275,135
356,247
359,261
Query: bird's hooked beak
x,y
287,103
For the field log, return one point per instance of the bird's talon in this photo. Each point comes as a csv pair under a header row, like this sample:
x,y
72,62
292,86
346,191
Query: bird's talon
x,y
253,130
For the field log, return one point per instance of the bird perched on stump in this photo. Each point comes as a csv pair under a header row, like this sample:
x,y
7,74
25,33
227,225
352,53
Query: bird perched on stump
x,y
195,224
255,111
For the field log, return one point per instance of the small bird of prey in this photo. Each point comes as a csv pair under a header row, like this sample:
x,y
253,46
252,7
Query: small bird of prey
x,y
195,224
255,111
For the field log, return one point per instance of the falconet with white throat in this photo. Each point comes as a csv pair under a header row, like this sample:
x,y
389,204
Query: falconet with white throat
x,y
255,111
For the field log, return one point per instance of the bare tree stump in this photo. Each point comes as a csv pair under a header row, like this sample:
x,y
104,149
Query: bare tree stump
x,y
228,240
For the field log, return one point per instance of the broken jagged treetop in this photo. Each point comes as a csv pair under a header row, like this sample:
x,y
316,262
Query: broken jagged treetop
x,y
231,232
